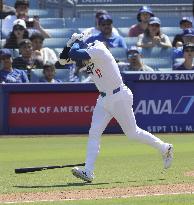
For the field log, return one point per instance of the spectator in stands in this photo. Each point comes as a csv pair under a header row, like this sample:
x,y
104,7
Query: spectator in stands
x,y
185,23
6,10
49,72
46,54
188,55
143,17
8,74
27,61
22,8
96,30
135,63
153,37
19,32
188,37
106,35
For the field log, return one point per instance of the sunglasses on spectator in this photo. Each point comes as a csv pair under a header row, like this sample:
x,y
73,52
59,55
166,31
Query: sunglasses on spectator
x,y
130,55
155,25
19,28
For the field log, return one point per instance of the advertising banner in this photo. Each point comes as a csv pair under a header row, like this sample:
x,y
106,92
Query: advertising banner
x,y
162,103
51,109
165,107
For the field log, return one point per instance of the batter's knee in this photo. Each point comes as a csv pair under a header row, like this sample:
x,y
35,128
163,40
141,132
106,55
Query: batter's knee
x,y
133,133
94,133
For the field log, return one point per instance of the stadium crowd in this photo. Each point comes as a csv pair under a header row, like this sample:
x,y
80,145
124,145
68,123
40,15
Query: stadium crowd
x,y
24,45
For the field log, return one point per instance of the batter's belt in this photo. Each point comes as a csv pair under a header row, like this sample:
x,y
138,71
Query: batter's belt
x,y
103,94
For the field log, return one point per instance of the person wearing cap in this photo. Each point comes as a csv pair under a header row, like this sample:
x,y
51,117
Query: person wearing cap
x,y
188,56
106,35
9,74
135,63
153,37
96,30
22,9
185,23
188,37
143,16
27,61
49,72
18,33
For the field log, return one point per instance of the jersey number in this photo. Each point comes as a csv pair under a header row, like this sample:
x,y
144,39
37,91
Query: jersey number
x,y
98,72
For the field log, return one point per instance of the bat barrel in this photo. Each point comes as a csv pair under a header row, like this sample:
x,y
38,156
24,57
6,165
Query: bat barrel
x,y
35,169
28,169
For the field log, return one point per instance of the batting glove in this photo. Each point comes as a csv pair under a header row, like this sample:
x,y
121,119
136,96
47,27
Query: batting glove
x,y
74,38
78,37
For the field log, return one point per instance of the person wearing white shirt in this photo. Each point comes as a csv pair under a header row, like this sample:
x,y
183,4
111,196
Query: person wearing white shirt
x,y
22,8
45,53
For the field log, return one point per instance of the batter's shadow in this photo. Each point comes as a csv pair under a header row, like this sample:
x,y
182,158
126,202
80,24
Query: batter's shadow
x,y
59,185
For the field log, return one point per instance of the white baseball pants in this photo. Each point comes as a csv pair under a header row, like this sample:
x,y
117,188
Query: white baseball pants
x,y
119,106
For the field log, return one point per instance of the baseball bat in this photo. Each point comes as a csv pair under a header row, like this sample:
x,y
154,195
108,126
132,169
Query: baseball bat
x,y
34,169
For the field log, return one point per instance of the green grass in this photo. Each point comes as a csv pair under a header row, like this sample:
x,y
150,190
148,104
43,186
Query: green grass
x,y
121,163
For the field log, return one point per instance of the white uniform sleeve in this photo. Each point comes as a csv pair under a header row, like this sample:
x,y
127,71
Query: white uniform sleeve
x,y
97,51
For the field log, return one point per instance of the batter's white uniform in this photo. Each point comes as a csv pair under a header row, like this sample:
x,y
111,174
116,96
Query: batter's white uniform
x,y
116,101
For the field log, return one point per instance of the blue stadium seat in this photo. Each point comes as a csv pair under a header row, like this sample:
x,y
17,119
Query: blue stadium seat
x,y
158,63
52,22
119,54
61,32
61,74
42,13
123,31
130,41
171,31
170,21
55,42
79,22
157,52
123,21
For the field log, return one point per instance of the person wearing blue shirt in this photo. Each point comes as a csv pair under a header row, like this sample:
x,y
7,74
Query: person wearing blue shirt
x,y
188,55
188,37
107,36
8,74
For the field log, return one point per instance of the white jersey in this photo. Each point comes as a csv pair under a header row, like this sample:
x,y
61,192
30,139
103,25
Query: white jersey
x,y
103,68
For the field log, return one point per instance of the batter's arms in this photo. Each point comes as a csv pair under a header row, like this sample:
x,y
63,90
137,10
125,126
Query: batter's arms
x,y
76,53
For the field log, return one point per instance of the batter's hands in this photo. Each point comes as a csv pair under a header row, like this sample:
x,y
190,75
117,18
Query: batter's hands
x,y
77,37
74,38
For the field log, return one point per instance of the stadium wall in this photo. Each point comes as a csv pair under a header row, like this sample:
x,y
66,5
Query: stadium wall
x,y
163,102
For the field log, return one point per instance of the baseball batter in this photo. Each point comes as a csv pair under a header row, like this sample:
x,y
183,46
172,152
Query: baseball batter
x,y
115,100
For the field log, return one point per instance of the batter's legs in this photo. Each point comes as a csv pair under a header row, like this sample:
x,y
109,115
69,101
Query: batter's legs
x,y
126,119
100,120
